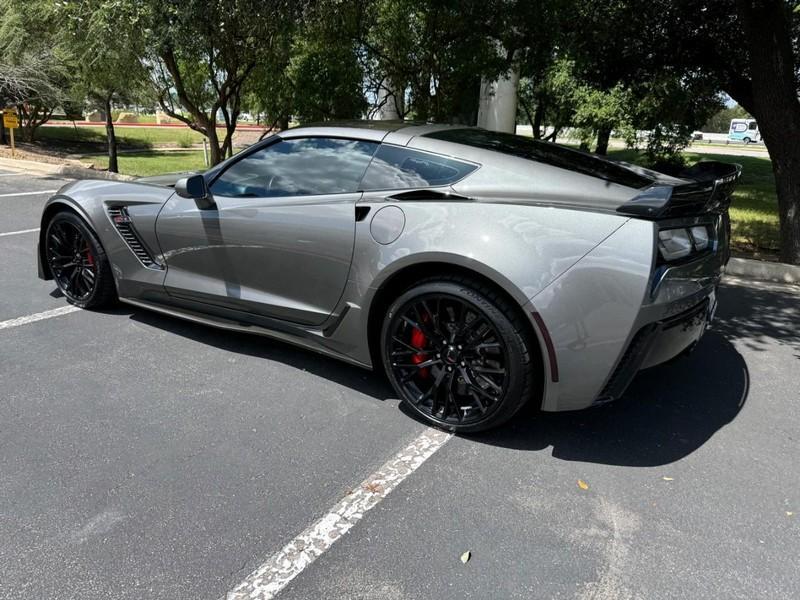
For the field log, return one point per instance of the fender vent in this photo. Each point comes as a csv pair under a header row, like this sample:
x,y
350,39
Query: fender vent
x,y
123,224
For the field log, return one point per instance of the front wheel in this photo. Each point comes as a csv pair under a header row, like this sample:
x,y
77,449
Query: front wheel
x,y
457,355
78,262
746,141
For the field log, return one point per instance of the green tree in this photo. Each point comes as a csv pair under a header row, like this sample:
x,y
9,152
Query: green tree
x,y
326,78
37,65
105,39
433,53
204,52
746,48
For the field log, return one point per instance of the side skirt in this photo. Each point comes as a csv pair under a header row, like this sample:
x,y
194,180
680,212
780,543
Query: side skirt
x,y
310,339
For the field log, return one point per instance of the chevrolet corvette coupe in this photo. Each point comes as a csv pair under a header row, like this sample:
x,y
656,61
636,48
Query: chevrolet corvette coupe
x,y
479,270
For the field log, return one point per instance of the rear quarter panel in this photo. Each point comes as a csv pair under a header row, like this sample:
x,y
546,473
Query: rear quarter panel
x,y
520,248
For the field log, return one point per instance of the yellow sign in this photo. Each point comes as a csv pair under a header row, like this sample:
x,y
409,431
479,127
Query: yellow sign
x,y
10,120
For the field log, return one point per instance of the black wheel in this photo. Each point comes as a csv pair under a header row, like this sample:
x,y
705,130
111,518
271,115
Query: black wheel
x,y
457,355
78,263
746,141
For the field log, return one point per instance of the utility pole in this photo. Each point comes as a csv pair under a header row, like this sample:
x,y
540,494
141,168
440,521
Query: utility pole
x,y
497,110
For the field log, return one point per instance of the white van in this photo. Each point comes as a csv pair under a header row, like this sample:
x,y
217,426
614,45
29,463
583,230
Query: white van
x,y
744,130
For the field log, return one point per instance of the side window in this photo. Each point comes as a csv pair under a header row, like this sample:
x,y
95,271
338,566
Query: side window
x,y
752,126
298,167
399,168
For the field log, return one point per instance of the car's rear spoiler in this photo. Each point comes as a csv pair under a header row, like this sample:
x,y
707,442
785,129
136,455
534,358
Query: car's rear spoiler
x,y
710,191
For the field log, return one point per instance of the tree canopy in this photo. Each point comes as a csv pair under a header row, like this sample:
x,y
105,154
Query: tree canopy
x,y
597,66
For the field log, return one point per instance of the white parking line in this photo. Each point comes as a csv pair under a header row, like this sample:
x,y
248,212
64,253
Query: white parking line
x,y
276,573
11,174
18,232
48,314
40,192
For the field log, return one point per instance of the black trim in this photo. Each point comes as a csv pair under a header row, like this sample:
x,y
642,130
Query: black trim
x,y
427,195
638,349
710,191
123,224
629,364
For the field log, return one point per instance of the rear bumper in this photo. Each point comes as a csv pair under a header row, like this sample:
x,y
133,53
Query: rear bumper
x,y
659,342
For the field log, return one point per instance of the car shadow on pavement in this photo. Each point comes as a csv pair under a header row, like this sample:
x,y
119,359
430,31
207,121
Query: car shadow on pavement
x,y
671,410
331,369
758,314
668,412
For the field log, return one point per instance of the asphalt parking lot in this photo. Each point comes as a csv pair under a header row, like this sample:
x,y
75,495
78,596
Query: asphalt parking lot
x,y
146,457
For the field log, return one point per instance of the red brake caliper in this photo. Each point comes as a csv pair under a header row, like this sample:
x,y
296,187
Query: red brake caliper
x,y
89,257
418,340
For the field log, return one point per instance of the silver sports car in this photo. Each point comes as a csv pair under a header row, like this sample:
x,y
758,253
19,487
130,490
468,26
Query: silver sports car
x,y
479,270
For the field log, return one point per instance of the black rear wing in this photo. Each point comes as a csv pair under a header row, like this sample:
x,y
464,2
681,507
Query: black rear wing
x,y
710,191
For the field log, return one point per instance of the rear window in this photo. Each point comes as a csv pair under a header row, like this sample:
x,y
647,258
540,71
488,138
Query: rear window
x,y
394,167
543,152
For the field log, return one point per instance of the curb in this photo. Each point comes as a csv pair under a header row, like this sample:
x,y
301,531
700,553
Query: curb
x,y
69,170
763,271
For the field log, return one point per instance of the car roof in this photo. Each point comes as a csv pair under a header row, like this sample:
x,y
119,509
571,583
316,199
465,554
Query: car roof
x,y
395,132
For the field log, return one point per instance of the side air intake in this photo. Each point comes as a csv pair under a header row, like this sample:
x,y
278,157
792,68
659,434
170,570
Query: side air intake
x,y
122,222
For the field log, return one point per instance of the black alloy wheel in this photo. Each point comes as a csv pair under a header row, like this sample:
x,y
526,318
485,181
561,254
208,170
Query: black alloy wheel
x,y
455,357
78,264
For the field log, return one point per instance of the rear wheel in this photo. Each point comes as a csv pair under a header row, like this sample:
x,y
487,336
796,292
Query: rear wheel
x,y
78,263
746,141
457,355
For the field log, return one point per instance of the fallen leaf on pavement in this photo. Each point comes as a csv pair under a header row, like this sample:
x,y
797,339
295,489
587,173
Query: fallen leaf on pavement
x,y
373,488
582,484
466,556
789,513
667,479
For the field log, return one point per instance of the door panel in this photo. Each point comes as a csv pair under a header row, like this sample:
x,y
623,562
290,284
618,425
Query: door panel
x,y
280,240
286,258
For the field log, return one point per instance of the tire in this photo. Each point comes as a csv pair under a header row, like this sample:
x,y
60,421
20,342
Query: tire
x,y
457,354
78,263
746,141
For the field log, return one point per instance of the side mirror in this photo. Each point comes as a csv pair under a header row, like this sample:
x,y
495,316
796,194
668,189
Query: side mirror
x,y
195,187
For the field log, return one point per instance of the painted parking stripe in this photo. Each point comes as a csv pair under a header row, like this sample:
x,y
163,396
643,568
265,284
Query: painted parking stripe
x,y
40,192
276,573
11,174
48,314
18,232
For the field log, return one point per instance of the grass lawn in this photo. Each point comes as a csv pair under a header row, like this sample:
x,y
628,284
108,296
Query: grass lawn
x,y
135,137
153,162
754,210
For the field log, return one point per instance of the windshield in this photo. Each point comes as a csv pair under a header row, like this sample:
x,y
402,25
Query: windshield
x,y
543,152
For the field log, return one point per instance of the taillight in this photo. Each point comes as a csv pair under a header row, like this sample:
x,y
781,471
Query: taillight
x,y
679,242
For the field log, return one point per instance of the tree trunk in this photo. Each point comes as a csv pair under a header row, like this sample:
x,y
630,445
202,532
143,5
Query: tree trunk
x,y
113,167
603,136
215,151
538,119
776,107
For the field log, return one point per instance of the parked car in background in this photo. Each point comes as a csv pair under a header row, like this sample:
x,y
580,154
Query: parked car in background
x,y
479,270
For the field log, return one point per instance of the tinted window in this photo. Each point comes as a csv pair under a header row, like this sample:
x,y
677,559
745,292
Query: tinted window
x,y
298,167
544,152
400,168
